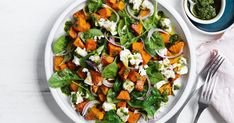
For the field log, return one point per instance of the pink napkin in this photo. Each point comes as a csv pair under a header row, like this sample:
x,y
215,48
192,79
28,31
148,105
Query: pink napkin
x,y
223,99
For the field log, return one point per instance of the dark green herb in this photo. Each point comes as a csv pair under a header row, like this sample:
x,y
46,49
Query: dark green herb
x,y
62,78
94,5
117,85
59,45
110,70
155,42
90,34
153,73
110,117
66,90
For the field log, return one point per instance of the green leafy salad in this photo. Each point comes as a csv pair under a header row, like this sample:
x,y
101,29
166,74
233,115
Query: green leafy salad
x,y
118,60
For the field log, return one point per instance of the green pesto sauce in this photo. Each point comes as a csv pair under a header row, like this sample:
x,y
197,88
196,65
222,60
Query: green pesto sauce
x,y
204,9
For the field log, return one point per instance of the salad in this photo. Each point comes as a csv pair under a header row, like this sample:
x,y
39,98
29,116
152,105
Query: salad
x,y
118,60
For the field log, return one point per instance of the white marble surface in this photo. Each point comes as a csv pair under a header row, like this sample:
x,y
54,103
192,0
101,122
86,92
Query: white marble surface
x,y
24,94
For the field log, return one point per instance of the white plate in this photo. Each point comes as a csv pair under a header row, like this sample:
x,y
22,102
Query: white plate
x,y
180,28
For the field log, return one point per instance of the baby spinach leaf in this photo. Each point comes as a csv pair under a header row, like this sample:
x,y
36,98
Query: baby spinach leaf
x,y
151,22
62,78
90,34
94,5
66,90
110,97
154,74
110,70
68,25
153,43
59,45
110,117
117,85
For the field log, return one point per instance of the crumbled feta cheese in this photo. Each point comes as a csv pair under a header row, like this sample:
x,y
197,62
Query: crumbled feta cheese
x,y
164,64
183,61
166,23
108,25
160,84
146,66
124,56
100,67
128,85
168,73
76,61
108,106
136,59
142,71
95,58
147,4
166,68
88,79
79,98
98,37
136,4
81,52
123,113
162,52
182,70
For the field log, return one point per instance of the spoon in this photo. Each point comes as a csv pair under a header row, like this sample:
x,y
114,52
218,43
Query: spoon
x,y
191,6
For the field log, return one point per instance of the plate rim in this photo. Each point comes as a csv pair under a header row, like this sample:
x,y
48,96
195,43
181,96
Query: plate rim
x,y
192,61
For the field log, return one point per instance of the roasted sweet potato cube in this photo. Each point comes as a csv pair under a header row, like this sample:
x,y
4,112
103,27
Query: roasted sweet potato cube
x,y
106,59
79,43
101,97
177,47
137,46
94,88
79,14
81,74
57,62
90,45
133,117
81,25
123,72
123,95
166,88
121,104
145,56
71,65
134,76
72,33
140,83
63,66
144,12
96,77
137,28
113,50
97,113
104,89
104,12
79,107
73,87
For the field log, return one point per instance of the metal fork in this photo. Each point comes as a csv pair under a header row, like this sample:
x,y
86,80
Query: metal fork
x,y
207,91
213,65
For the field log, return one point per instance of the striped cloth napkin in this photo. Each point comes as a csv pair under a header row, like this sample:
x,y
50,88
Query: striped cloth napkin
x,y
223,99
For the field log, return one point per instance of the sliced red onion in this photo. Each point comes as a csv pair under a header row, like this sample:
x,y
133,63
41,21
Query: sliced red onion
x,y
151,31
93,65
117,15
148,91
112,41
91,90
149,85
151,8
108,84
88,105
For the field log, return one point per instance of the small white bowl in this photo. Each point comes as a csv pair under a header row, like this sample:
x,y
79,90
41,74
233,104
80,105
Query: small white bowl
x,y
195,19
